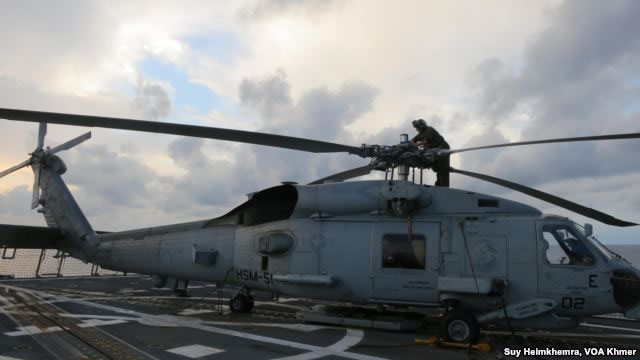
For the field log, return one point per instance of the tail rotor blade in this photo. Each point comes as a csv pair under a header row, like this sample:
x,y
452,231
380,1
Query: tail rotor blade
x,y
42,132
14,168
35,196
71,143
560,202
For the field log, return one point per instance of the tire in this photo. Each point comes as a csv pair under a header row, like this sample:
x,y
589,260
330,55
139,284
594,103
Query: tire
x,y
240,304
459,326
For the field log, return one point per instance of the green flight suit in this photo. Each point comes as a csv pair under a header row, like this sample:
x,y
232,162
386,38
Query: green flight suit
x,y
432,139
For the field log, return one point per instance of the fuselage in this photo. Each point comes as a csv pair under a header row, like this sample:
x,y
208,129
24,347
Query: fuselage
x,y
389,243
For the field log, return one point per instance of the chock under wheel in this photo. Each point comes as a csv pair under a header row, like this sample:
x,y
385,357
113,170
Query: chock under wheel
x,y
435,342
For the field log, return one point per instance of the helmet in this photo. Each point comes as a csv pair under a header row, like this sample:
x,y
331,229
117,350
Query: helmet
x,y
419,124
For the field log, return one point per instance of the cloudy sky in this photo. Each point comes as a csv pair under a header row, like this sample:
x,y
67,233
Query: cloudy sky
x,y
344,71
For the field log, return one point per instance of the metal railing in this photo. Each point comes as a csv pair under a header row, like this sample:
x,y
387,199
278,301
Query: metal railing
x,y
38,263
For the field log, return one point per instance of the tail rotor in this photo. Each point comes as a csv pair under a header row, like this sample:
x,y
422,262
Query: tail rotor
x,y
38,158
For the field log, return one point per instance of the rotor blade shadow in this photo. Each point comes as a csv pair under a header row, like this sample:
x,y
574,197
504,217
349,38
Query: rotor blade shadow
x,y
552,199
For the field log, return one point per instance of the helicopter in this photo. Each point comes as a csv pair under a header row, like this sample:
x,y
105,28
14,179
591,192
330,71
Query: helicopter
x,y
392,242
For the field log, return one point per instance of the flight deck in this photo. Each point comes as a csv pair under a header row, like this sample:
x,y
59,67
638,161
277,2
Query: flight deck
x,y
123,317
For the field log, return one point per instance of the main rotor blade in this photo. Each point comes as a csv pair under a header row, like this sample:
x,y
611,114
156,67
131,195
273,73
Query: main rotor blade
x,y
14,168
71,143
566,204
341,176
549,141
42,132
35,195
287,142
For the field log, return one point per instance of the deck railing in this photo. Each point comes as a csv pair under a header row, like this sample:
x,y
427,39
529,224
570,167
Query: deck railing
x,y
38,263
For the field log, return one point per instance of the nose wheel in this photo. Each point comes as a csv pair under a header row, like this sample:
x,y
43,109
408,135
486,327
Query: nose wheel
x,y
459,326
242,302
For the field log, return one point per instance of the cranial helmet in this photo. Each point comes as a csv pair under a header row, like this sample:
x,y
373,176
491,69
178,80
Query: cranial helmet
x,y
419,124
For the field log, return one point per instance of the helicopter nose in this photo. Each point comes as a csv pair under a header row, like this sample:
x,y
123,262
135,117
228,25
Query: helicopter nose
x,y
626,288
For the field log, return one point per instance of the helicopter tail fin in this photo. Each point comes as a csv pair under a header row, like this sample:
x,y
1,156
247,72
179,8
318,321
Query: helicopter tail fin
x,y
61,211
59,208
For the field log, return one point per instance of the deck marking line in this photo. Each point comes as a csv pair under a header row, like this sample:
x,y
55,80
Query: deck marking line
x,y
188,312
297,327
31,330
195,351
103,317
99,322
2,357
171,320
42,295
353,337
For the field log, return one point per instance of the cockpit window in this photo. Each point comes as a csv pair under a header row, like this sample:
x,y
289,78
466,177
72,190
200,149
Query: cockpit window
x,y
565,246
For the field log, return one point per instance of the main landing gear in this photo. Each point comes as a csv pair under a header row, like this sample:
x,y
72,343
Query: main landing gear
x,y
242,302
459,326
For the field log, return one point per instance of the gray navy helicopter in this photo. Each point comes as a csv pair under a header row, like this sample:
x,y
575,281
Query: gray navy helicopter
x,y
392,242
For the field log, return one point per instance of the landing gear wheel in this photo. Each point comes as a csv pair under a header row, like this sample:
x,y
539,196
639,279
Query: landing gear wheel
x,y
459,326
241,304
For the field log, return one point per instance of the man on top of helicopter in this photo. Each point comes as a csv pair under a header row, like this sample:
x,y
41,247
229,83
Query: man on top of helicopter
x,y
431,138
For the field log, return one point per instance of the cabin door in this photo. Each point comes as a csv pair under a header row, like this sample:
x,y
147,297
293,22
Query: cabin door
x,y
405,265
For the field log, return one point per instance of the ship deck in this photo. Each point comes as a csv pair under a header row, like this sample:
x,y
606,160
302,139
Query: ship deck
x,y
122,317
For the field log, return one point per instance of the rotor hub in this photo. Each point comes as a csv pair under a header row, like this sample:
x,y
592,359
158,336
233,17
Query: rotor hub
x,y
387,156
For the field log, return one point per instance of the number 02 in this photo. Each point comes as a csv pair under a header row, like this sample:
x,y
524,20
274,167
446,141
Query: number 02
x,y
572,303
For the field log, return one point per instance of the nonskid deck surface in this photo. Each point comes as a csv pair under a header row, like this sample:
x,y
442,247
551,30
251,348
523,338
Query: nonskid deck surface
x,y
123,318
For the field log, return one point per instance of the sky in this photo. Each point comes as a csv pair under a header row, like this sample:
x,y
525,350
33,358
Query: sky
x,y
346,71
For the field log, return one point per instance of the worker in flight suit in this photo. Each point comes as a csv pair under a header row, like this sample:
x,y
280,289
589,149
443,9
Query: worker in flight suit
x,y
431,138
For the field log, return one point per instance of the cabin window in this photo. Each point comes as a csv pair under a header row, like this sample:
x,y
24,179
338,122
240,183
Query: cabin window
x,y
403,251
565,246
488,203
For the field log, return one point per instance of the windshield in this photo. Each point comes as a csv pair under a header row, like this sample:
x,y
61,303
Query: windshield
x,y
603,249
608,254
566,246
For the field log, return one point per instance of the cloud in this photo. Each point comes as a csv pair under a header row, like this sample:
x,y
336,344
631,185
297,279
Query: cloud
x,y
16,204
152,100
110,178
48,35
269,97
118,192
574,82
319,113
207,181
268,8
576,79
